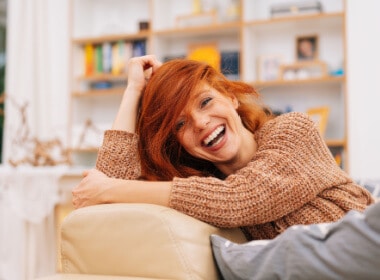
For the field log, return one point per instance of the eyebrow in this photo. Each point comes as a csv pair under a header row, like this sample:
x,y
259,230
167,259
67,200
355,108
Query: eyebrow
x,y
196,95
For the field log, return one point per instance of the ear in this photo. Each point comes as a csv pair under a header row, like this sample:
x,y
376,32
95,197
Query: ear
x,y
235,102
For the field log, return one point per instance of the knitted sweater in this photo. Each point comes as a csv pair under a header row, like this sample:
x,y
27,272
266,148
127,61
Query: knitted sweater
x,y
292,179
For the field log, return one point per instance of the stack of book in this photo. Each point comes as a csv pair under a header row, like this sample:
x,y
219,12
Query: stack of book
x,y
111,57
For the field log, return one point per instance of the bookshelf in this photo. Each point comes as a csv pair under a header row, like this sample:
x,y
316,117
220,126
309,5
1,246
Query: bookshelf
x,y
244,32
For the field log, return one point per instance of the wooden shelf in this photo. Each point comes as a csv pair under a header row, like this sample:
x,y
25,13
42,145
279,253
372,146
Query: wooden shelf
x,y
99,92
112,38
297,19
315,81
103,77
336,143
219,28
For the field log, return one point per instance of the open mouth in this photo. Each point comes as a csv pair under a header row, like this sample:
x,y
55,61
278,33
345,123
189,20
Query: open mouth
x,y
215,137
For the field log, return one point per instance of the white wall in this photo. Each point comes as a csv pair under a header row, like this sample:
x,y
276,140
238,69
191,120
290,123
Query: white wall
x,y
363,64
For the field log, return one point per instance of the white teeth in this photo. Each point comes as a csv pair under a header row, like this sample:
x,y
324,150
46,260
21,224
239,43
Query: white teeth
x,y
213,135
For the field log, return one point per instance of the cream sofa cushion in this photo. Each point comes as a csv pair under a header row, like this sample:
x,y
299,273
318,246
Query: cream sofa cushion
x,y
139,240
67,276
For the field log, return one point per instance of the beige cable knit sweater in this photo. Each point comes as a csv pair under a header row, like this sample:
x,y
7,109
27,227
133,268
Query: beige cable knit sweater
x,y
292,179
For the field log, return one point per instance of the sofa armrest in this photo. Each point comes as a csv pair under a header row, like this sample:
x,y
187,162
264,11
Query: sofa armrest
x,y
67,276
139,240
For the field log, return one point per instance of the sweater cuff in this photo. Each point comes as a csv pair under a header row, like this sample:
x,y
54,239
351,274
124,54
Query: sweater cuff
x,y
120,136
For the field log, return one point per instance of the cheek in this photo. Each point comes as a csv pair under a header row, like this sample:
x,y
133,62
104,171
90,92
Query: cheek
x,y
186,140
181,138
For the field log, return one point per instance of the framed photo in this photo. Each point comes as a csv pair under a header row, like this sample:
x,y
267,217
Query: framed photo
x,y
320,116
269,67
307,47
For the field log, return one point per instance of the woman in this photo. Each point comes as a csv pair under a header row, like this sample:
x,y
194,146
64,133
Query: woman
x,y
208,148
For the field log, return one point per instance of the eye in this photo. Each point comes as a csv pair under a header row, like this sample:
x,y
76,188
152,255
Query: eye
x,y
205,101
179,125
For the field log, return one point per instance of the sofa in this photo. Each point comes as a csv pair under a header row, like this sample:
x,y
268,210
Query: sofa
x,y
137,241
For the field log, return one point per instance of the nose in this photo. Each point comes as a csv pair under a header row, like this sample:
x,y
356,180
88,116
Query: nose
x,y
200,120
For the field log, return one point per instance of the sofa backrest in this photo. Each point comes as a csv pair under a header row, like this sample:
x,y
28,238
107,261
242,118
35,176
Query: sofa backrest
x,y
139,240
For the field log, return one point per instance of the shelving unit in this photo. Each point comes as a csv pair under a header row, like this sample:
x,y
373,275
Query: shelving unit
x,y
252,34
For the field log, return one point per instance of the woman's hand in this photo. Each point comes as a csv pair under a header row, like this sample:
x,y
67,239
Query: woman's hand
x,y
97,188
91,190
140,69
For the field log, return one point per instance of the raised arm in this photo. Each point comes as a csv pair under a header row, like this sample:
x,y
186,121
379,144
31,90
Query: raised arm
x,y
139,71
118,156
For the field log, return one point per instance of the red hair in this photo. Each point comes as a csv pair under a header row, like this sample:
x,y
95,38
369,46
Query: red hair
x,y
166,95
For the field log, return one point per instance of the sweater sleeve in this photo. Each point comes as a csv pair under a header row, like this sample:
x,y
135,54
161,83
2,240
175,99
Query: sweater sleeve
x,y
118,157
291,166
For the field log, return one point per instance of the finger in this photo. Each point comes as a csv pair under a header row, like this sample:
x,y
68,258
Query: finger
x,y
75,201
85,173
150,61
77,205
148,73
78,201
157,65
154,65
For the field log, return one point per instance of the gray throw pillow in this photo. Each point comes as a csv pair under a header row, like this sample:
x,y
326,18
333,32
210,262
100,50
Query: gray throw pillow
x,y
347,249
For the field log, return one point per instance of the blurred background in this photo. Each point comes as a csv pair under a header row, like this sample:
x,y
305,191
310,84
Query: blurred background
x,y
63,66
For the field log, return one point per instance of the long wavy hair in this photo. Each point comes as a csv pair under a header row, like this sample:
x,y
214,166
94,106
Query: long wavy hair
x,y
167,93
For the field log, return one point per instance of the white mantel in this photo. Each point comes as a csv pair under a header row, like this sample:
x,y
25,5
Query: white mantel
x,y
28,224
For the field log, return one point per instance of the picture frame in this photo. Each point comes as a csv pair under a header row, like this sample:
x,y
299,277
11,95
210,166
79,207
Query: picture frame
x,y
307,47
269,67
320,116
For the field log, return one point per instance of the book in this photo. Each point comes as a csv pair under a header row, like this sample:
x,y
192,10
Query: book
x,y
98,59
107,57
230,64
89,60
205,52
116,58
139,48
128,54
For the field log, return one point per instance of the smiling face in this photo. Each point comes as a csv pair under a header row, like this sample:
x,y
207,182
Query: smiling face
x,y
209,128
188,123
